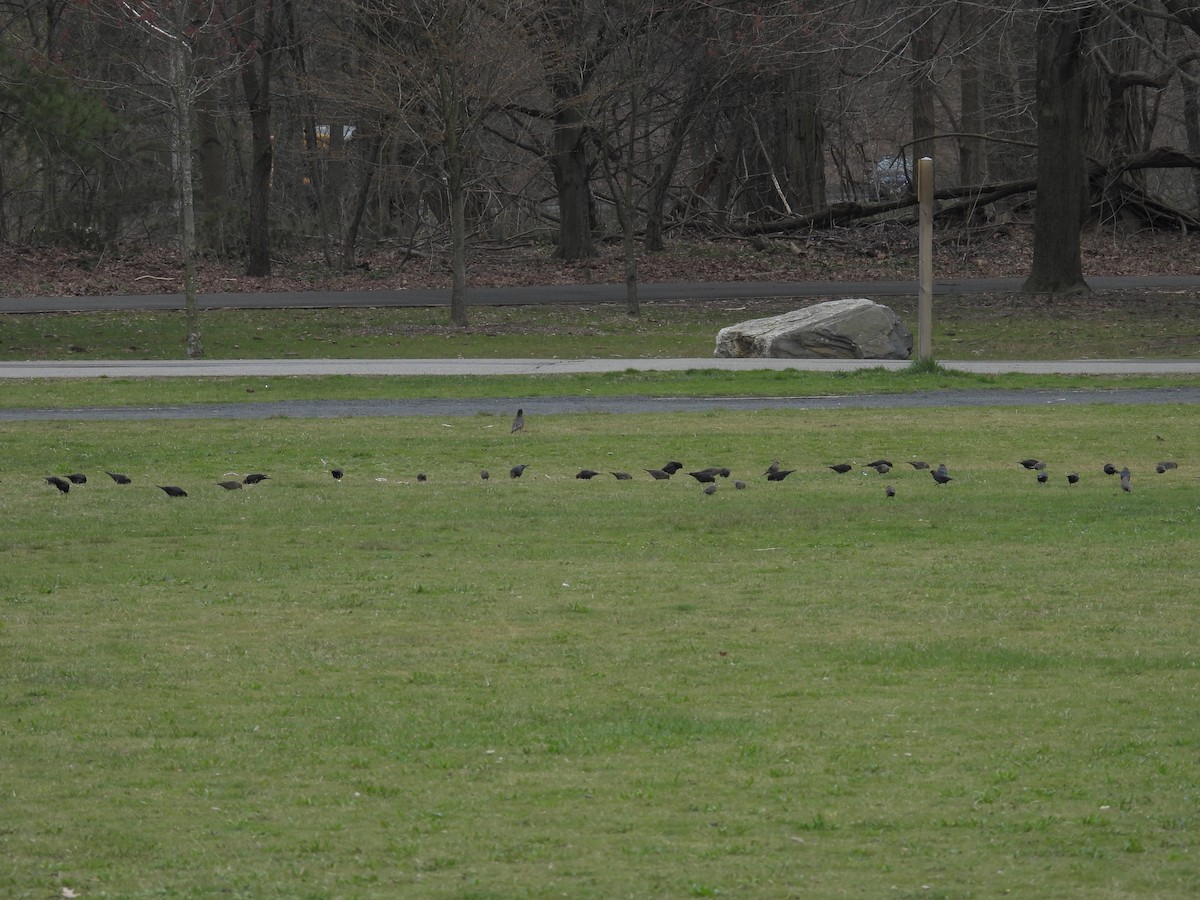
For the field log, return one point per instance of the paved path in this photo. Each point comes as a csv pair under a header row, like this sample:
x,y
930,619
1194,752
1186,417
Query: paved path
x,y
567,293
231,368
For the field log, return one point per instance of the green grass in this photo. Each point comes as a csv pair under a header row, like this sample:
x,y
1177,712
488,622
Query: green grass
x,y
82,392
593,689
965,327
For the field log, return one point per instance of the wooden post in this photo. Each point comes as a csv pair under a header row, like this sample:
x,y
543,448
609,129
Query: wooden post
x,y
925,265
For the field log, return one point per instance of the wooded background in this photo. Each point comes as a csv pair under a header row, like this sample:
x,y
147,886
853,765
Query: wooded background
x,y
429,124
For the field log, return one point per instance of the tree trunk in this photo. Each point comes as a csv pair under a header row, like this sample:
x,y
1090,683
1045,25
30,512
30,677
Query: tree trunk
x,y
803,139
972,161
1062,197
569,164
923,120
259,47
1191,126
181,147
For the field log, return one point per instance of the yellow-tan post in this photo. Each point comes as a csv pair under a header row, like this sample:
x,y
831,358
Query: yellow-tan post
x,y
925,265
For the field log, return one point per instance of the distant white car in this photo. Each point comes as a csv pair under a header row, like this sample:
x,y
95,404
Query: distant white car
x,y
892,176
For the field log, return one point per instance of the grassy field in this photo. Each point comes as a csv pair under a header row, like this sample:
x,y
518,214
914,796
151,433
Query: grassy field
x,y
546,686
1003,326
84,392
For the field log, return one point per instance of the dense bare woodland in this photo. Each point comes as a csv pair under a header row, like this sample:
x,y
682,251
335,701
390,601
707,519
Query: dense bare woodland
x,y
441,141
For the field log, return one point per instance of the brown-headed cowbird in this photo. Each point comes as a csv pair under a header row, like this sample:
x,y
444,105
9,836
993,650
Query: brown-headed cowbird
x,y
173,491
119,478
61,483
255,478
518,422
841,468
228,485
586,474
517,471
780,475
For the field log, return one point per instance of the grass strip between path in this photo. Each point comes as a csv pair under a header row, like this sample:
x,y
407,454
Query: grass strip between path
x,y
454,688
38,393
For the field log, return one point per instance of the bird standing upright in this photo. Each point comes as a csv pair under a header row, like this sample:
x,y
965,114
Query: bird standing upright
x,y
519,422
517,471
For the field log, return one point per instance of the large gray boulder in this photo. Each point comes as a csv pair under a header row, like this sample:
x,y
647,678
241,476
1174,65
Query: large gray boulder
x,y
839,329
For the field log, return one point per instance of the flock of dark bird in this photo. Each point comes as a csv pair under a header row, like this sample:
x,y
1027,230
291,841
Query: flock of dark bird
x,y
707,477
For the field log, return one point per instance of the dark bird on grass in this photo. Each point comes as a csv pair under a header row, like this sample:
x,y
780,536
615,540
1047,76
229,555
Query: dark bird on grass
x,y
586,474
483,473
1042,477
1072,478
622,476
61,483
918,464
517,471
421,476
119,478
519,422
880,462
780,474
1029,463
173,491
659,474
704,476
228,485
1165,466
889,491
77,478
842,468
940,477
715,470
255,478
337,474
1125,480
773,467
1110,469
672,467
710,489
740,485
941,469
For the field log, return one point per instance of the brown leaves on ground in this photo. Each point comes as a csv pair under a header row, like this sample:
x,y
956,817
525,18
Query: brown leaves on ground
x,y
881,252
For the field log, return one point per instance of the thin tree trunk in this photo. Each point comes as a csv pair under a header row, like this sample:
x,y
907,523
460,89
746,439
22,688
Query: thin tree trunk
x,y
181,146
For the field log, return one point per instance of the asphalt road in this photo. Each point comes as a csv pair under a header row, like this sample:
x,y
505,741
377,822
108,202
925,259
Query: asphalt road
x,y
581,294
